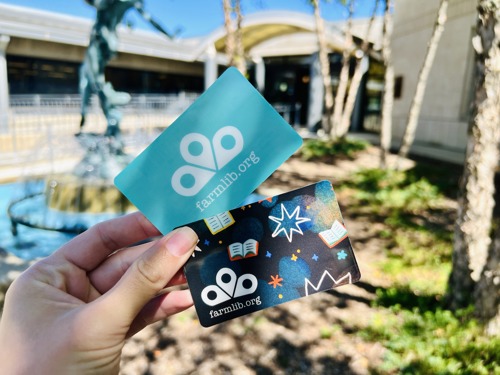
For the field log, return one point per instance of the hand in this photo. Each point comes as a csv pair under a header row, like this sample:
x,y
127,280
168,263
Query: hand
x,y
72,311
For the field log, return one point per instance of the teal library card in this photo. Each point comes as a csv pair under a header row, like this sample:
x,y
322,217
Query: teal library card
x,y
211,158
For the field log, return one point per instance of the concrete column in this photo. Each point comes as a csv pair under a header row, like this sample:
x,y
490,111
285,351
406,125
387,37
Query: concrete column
x,y
316,93
260,73
4,84
210,66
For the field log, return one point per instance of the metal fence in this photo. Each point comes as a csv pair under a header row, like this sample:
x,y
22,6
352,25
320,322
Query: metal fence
x,y
41,128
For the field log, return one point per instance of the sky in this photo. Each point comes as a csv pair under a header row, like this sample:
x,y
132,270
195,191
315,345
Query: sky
x,y
197,17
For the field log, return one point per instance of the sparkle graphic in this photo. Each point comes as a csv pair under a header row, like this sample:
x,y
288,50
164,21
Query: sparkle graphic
x,y
288,223
206,242
341,255
315,257
268,255
195,250
280,296
294,257
275,281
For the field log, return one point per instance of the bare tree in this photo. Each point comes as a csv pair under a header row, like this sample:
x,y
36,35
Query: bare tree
x,y
344,74
240,51
411,125
234,41
345,122
388,98
230,32
324,63
475,274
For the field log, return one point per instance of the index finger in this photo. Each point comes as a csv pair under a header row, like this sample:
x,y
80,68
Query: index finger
x,y
90,248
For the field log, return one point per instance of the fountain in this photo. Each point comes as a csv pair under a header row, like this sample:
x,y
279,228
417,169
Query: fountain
x,y
66,204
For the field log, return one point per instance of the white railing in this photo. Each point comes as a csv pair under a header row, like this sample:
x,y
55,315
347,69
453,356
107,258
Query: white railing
x,y
42,125
72,102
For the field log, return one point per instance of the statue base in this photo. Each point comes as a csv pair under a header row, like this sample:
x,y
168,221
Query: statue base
x,y
89,188
69,193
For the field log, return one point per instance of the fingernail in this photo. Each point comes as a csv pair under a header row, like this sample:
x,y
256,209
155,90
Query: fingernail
x,y
182,241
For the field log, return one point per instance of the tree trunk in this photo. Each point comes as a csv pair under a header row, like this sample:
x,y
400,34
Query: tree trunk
x,y
356,79
471,276
230,32
240,62
487,293
388,98
324,63
338,108
411,125
234,41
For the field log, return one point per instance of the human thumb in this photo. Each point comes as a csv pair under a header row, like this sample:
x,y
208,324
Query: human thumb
x,y
147,276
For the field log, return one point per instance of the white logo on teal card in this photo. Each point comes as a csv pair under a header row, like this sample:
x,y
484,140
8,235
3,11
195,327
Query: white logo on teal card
x,y
206,158
211,158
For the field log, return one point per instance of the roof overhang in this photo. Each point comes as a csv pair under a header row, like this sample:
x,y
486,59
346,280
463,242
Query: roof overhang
x,y
267,28
29,23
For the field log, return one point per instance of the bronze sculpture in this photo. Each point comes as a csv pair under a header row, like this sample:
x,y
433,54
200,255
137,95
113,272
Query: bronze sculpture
x,y
103,46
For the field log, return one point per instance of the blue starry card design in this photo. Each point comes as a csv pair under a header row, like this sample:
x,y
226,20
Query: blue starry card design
x,y
211,158
269,252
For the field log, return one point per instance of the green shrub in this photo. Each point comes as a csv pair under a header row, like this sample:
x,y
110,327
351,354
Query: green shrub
x,y
394,190
314,149
408,205
403,297
430,340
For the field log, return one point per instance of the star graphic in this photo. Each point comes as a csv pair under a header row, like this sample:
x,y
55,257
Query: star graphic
x,y
315,257
288,224
206,242
275,281
195,250
341,255
268,255
294,257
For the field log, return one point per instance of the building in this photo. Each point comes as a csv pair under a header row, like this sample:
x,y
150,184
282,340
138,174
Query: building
x,y
40,53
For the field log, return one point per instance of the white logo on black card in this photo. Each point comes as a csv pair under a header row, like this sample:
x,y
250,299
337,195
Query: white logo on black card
x,y
228,286
206,157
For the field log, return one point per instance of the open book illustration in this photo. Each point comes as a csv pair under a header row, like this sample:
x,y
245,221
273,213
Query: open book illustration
x,y
247,249
219,222
334,235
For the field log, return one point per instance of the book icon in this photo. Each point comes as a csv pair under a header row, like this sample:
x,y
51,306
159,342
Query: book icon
x,y
219,222
334,235
247,249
